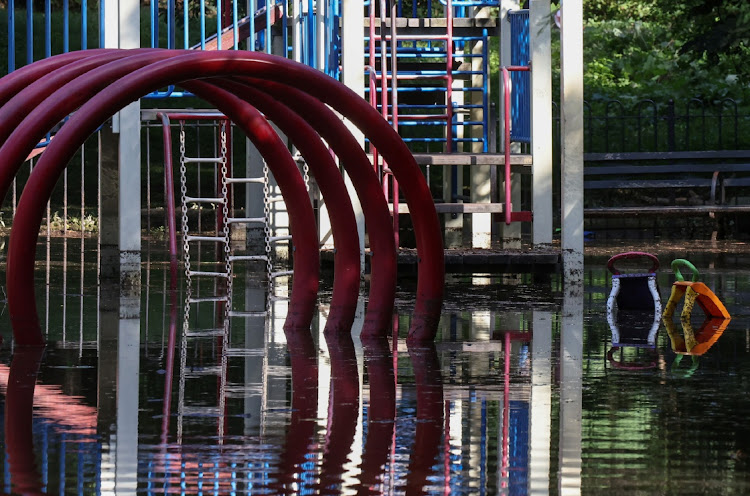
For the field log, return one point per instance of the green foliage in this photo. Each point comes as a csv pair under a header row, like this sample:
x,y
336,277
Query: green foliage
x,y
660,48
89,223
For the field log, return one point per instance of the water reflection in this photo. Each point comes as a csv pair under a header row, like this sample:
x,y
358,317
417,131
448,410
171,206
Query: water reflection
x,y
511,399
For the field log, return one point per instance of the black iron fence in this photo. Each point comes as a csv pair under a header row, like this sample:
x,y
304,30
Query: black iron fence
x,y
656,125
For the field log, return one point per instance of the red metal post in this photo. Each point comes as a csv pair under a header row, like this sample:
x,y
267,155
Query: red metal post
x,y
169,198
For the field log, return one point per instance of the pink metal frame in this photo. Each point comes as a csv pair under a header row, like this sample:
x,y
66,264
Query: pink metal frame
x,y
393,190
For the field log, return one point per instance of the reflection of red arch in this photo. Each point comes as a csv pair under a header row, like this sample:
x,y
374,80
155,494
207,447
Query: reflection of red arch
x,y
50,402
176,67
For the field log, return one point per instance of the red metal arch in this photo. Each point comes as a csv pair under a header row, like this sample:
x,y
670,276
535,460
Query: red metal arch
x,y
205,64
343,223
346,277
374,206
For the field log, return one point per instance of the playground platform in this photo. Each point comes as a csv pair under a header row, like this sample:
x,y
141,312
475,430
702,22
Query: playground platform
x,y
493,260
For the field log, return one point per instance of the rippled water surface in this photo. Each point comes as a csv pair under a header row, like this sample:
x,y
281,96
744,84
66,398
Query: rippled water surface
x,y
522,393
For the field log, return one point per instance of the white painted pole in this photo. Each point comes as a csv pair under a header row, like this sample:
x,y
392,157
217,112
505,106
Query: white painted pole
x,y
541,121
125,15
571,130
353,76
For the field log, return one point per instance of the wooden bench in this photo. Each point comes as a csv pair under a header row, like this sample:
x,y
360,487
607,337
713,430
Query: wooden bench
x,y
664,183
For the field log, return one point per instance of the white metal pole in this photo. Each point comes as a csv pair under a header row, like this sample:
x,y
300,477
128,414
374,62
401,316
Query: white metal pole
x,y
541,120
571,130
128,365
129,127
353,76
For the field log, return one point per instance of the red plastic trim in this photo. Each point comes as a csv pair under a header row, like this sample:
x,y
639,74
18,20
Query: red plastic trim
x,y
631,255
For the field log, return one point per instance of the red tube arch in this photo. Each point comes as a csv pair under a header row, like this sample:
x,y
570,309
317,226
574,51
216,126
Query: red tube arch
x,y
343,223
12,114
181,67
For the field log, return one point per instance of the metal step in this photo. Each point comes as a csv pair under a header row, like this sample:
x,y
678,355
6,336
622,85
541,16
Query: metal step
x,y
201,199
276,199
273,239
247,314
216,239
246,220
207,274
245,180
241,390
207,299
204,160
248,258
281,273
204,333
243,352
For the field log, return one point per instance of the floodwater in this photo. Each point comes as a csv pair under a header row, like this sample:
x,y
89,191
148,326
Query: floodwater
x,y
522,393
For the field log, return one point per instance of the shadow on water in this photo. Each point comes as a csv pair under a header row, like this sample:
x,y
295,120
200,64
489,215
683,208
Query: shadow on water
x,y
531,387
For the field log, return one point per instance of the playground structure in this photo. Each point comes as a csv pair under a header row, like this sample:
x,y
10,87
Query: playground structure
x,y
311,35
159,67
431,63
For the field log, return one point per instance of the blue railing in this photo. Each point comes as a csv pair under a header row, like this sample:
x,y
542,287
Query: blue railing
x,y
520,110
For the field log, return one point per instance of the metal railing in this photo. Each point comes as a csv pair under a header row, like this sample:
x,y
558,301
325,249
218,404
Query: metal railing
x,y
664,125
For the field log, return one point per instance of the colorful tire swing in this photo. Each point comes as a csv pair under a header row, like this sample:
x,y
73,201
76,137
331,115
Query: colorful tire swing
x,y
691,341
633,310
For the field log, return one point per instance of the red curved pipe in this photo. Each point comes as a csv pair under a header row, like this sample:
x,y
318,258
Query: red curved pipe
x,y
14,82
17,107
29,126
25,318
46,86
213,64
430,407
382,244
303,426
343,223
